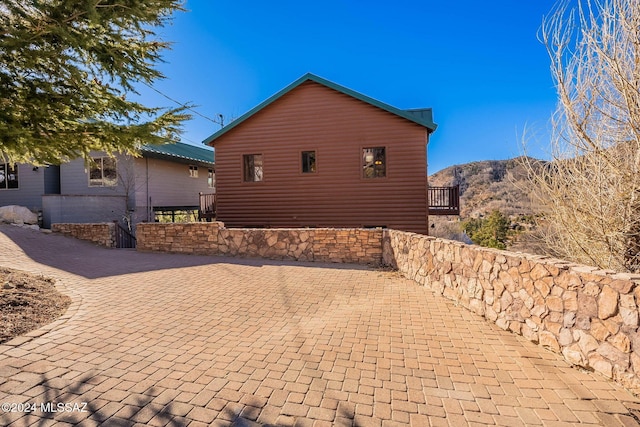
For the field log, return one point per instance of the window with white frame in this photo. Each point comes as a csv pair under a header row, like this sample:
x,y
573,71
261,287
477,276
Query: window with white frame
x,y
193,171
102,172
8,176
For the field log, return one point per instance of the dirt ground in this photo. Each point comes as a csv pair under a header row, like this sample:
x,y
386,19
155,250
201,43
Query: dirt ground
x,y
27,302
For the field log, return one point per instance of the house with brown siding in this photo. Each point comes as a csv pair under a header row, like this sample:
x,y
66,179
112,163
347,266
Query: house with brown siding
x,y
317,154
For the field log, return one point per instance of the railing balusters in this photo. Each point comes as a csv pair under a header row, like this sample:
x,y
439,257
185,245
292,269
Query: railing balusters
x,y
124,239
444,200
207,208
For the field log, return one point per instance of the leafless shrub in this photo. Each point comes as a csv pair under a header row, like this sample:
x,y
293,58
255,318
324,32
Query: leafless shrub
x,y
591,189
447,228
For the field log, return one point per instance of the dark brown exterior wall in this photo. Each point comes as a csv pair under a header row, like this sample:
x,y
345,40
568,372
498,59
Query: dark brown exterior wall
x,y
337,126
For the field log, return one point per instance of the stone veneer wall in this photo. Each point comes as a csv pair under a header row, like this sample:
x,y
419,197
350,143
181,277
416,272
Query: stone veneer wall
x,y
101,233
303,244
588,315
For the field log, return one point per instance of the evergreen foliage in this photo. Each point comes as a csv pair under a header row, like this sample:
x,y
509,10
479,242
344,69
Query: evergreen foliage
x,y
67,69
490,232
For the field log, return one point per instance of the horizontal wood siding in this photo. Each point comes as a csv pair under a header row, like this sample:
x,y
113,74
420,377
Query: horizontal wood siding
x,y
169,183
74,177
30,188
313,117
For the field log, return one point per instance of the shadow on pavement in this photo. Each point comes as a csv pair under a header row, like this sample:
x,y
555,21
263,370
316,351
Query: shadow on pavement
x,y
62,401
91,261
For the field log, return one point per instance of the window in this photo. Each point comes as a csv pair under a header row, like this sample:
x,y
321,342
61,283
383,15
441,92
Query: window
x,y
193,171
8,176
308,162
102,172
374,162
211,179
252,168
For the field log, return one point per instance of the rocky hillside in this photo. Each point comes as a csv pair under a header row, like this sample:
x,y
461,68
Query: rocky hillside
x,y
489,185
484,187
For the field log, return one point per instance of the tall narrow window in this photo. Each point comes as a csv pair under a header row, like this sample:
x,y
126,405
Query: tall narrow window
x,y
374,162
210,179
252,168
102,172
193,171
308,162
8,176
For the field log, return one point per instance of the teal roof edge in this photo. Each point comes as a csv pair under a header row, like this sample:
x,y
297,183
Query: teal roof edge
x,y
421,119
182,151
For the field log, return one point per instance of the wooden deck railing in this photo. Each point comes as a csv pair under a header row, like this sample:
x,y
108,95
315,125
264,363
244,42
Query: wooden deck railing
x,y
207,209
444,200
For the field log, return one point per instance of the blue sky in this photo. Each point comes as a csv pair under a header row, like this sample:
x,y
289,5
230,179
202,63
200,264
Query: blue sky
x,y
479,65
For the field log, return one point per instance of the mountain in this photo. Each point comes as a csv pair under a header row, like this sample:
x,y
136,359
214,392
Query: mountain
x,y
489,185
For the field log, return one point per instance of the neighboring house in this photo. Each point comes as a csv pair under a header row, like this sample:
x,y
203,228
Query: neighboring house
x,y
317,154
165,177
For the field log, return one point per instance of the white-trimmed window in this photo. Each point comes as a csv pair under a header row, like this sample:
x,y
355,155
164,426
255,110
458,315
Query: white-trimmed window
x,y
193,171
102,172
8,176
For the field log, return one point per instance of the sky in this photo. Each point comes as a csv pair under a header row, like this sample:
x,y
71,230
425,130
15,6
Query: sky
x,y
479,65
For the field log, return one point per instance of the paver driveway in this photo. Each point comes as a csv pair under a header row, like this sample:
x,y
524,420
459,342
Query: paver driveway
x,y
159,339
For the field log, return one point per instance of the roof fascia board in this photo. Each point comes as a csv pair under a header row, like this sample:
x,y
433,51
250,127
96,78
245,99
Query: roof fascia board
x,y
149,151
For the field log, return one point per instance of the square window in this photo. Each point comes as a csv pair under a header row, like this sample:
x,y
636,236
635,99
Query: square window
x,y
308,162
193,171
252,168
374,162
102,172
8,176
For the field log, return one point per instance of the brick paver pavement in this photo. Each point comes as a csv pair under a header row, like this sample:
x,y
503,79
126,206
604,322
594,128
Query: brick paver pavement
x,y
158,339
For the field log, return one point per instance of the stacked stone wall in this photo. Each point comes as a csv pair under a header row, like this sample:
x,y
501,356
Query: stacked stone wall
x,y
588,315
102,234
198,238
300,244
348,245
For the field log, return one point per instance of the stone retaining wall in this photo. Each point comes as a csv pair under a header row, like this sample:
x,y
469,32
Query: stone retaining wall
x,y
101,233
361,246
588,315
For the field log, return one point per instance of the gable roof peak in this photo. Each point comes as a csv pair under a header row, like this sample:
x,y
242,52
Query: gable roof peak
x,y
425,120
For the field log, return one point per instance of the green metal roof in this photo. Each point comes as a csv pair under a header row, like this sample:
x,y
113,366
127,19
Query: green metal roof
x,y
180,151
423,117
